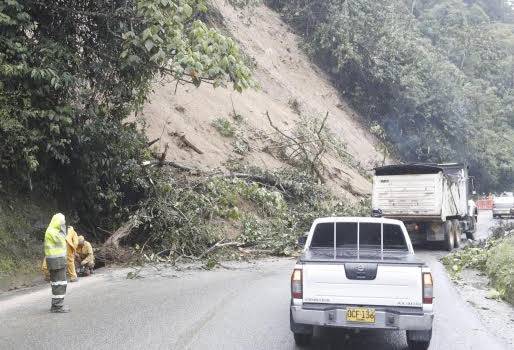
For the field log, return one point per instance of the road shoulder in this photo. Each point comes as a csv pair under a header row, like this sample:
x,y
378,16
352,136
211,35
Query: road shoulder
x,y
496,315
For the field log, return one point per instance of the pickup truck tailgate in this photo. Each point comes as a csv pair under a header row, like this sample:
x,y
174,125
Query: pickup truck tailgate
x,y
503,203
393,285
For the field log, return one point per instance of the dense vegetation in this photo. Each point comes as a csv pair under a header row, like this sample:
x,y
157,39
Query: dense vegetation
x,y
437,76
72,71
73,77
22,221
494,257
185,214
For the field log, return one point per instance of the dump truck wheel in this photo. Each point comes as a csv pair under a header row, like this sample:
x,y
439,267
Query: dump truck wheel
x,y
471,234
449,236
457,233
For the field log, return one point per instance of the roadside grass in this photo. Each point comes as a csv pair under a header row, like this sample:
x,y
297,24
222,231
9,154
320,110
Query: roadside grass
x,y
493,257
22,224
500,268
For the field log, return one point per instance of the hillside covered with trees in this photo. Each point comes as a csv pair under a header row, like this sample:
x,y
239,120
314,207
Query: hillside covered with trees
x,y
80,84
434,77
433,80
71,72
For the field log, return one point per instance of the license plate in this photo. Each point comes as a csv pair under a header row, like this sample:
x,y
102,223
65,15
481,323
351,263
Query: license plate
x,y
360,314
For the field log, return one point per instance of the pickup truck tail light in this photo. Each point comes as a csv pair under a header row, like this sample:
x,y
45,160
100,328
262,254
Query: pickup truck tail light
x,y
297,284
428,288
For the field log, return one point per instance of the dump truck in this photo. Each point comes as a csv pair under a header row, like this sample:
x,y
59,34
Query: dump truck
x,y
433,200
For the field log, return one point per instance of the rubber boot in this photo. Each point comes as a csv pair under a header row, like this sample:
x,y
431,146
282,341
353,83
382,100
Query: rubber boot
x,y
60,310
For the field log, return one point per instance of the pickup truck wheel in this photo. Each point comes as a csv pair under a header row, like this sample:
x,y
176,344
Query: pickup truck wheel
x,y
457,232
419,340
418,345
302,339
449,236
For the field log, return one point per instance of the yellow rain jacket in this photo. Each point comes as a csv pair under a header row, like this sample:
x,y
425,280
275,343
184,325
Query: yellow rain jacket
x,y
72,241
86,253
55,243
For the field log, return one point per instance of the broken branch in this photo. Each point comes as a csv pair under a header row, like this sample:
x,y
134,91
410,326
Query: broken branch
x,y
120,233
188,143
149,144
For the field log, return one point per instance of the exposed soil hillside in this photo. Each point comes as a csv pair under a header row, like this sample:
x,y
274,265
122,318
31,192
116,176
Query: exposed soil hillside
x,y
284,75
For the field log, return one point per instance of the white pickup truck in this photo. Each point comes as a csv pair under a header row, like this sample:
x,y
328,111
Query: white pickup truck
x,y
361,272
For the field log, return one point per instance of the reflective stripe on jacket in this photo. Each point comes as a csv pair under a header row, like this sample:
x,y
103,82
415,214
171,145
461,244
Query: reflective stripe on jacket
x,y
55,238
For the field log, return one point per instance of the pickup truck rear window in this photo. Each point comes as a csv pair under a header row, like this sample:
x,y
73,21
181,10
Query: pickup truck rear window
x,y
346,234
323,235
364,235
393,237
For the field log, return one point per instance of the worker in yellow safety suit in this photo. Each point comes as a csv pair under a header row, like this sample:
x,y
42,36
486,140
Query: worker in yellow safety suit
x,y
55,257
85,257
72,242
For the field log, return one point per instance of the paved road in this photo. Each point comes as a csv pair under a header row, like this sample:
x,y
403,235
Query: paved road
x,y
243,308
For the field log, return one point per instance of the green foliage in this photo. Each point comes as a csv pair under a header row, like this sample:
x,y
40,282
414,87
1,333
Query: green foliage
x,y
241,145
469,257
244,3
437,76
307,144
495,257
7,264
23,220
500,268
15,237
224,127
188,216
105,171
177,43
70,75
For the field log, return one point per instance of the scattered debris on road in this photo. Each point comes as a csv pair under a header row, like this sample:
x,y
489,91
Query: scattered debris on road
x,y
493,256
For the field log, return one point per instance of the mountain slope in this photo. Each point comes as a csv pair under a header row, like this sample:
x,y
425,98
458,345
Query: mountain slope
x,y
286,78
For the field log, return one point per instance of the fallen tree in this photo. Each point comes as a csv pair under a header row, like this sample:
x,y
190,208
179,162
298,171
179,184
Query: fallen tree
x,y
122,232
189,213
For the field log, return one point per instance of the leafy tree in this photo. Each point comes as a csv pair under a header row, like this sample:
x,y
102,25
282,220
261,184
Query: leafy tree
x,y
436,75
72,71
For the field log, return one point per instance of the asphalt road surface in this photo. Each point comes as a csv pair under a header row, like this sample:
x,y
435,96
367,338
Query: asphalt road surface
x,y
246,307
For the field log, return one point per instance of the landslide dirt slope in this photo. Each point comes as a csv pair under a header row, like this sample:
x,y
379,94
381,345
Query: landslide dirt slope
x,y
284,74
